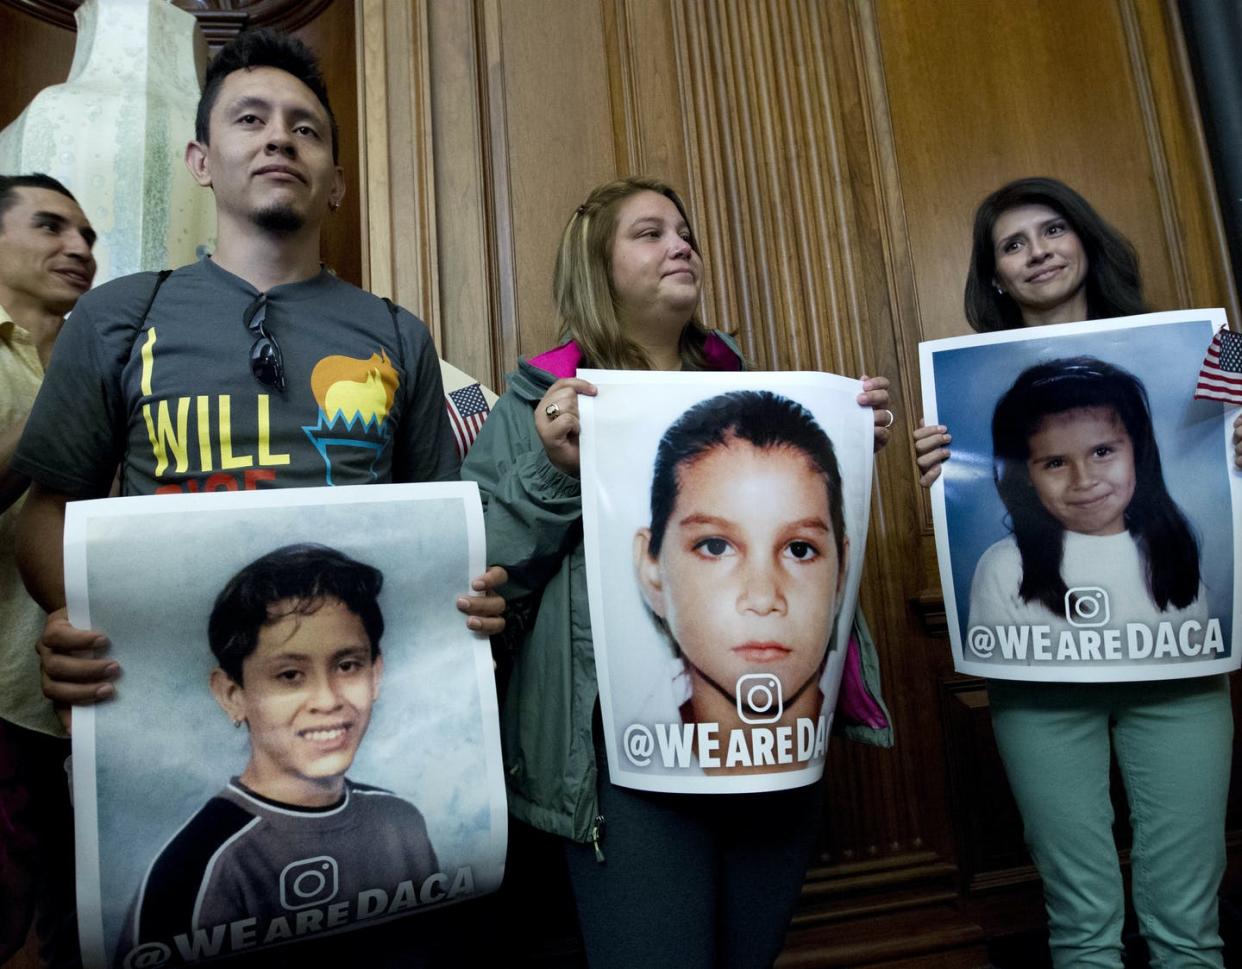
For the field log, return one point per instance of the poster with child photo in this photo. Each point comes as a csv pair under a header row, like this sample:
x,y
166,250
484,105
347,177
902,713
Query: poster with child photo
x,y
304,740
1087,521
725,517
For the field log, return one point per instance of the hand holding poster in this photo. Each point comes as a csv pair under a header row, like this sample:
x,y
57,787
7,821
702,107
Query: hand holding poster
x,y
725,521
304,740
1086,522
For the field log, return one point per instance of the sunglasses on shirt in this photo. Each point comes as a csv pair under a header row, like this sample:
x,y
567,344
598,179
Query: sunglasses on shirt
x,y
267,363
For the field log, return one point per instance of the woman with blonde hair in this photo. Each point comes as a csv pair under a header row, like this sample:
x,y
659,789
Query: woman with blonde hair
x,y
659,880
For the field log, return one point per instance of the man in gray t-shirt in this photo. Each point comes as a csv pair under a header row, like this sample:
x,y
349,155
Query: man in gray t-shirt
x,y
253,368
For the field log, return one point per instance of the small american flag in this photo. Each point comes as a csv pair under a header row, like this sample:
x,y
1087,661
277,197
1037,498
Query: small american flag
x,y
1221,375
467,410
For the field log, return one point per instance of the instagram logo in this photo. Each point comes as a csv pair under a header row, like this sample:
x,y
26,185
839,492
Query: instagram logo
x,y
1086,606
759,698
311,881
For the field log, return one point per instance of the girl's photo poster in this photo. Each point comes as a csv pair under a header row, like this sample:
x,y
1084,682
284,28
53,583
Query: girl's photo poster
x,y
1087,520
304,739
725,518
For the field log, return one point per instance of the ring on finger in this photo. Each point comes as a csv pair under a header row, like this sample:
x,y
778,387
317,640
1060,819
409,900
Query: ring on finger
x,y
552,410
891,418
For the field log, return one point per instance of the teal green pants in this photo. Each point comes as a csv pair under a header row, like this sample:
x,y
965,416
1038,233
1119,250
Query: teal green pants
x,y
1172,740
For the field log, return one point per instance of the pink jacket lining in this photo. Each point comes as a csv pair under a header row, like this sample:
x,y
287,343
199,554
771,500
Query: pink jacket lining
x,y
562,361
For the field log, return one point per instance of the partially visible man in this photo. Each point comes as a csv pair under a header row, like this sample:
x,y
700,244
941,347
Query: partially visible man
x,y
45,265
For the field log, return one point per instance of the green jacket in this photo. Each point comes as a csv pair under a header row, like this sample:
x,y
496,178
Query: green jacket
x,y
533,514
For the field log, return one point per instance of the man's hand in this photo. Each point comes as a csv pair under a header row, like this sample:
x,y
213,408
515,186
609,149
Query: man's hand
x,y
73,673
485,609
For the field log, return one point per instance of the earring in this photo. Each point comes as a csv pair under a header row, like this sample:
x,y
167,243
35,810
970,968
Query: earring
x,y
334,205
238,721
997,286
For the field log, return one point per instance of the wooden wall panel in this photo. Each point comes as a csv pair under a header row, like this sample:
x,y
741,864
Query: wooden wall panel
x,y
559,136
1193,217
35,54
645,98
332,35
522,131
832,156
465,210
398,195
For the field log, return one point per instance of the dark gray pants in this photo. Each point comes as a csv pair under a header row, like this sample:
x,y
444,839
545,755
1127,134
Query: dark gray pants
x,y
693,881
36,859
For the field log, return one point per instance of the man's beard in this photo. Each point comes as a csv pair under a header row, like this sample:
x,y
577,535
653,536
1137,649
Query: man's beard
x,y
279,219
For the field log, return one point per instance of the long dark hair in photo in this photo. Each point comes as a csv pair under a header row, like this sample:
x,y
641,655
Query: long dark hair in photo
x,y
1153,518
1113,284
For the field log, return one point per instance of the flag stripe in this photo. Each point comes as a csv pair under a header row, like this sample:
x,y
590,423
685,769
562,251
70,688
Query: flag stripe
x,y
1223,396
1220,377
459,432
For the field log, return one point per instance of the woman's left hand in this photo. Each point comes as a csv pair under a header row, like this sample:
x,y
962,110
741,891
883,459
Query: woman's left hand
x,y
486,608
1237,441
875,396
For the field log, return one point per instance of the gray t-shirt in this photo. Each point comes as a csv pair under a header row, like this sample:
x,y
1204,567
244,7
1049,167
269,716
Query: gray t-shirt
x,y
285,872
172,400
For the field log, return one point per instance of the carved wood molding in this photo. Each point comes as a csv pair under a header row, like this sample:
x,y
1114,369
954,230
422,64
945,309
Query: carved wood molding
x,y
1157,49
58,12
476,298
766,170
221,20
1188,110
496,182
623,100
907,323
1155,146
398,185
850,890
938,936
929,606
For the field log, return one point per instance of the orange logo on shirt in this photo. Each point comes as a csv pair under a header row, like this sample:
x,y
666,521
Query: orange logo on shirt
x,y
350,389
355,398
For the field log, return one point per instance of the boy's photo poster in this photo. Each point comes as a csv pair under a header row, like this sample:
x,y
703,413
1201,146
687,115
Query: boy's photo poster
x,y
1087,519
725,519
304,739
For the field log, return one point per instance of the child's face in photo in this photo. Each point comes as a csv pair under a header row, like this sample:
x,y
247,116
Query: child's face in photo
x,y
747,578
309,687
1082,466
